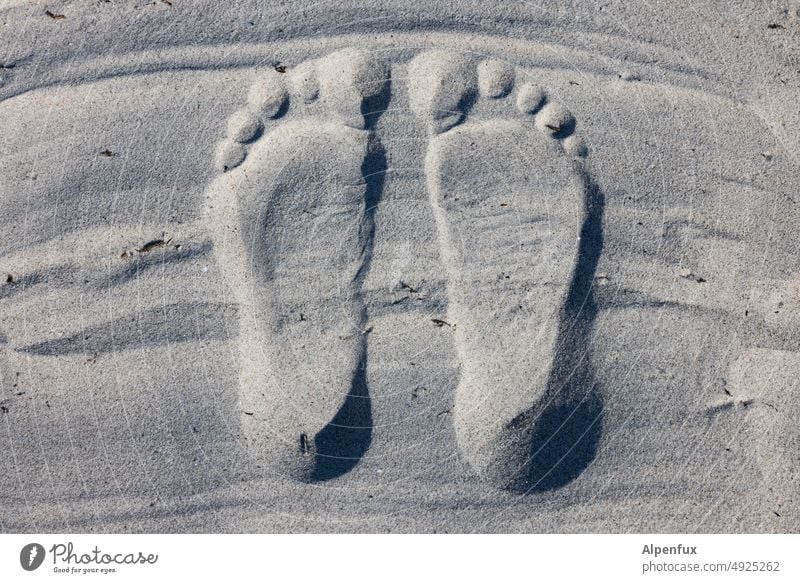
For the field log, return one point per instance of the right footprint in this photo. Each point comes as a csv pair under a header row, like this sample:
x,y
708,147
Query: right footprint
x,y
520,233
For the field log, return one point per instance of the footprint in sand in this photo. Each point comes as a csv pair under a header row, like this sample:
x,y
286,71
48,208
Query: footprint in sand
x,y
519,242
299,172
519,229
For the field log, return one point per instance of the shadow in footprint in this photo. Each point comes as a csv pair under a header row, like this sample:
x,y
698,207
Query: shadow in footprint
x,y
567,433
565,443
341,444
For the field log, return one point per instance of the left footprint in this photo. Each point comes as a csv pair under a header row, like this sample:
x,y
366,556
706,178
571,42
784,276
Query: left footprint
x,y
291,218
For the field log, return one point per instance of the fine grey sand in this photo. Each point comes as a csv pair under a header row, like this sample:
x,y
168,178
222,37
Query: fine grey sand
x,y
376,267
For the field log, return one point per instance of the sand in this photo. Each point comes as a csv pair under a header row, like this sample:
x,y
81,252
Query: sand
x,y
376,267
